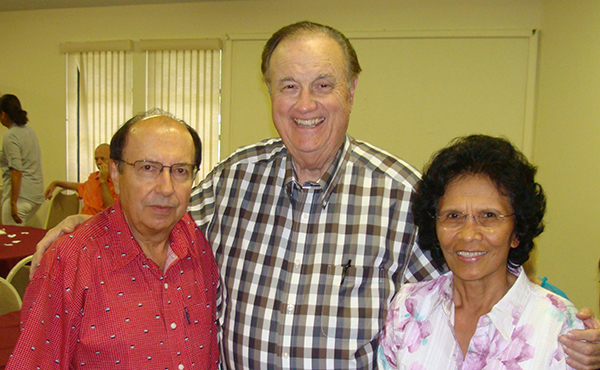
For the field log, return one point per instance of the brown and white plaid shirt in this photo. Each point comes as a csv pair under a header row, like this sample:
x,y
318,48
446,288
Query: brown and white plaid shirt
x,y
308,270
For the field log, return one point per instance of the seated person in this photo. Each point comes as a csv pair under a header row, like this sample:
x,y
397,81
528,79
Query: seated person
x,y
135,287
97,192
478,209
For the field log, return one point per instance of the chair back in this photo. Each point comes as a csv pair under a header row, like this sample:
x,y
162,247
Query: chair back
x,y
62,205
9,298
19,275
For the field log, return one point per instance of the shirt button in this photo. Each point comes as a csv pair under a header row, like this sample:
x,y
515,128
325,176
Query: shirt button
x,y
290,308
285,355
472,354
305,216
180,367
173,326
166,286
297,263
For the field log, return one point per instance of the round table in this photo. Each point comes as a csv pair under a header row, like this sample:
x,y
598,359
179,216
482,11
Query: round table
x,y
17,242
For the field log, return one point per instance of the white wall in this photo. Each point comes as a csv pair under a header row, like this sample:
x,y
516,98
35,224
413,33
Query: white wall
x,y
568,146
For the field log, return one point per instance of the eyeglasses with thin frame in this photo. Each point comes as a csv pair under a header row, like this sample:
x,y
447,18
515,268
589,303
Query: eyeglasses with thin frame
x,y
180,172
455,220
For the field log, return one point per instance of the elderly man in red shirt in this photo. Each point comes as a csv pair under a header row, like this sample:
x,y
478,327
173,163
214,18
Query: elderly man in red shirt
x,y
97,192
135,286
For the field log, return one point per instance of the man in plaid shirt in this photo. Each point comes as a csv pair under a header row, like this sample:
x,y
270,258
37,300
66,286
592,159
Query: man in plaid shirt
x,y
313,232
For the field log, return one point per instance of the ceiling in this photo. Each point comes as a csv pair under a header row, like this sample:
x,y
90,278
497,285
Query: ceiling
x,y
13,5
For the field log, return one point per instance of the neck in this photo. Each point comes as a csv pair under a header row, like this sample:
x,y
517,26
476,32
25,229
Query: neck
x,y
311,169
307,174
154,245
473,299
479,296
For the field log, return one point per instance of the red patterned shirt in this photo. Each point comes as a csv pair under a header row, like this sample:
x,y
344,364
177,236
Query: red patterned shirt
x,y
97,302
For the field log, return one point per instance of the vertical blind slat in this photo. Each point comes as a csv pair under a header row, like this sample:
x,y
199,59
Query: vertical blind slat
x,y
186,83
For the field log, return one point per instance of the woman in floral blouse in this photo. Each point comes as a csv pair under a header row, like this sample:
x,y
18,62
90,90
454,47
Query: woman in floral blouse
x,y
478,209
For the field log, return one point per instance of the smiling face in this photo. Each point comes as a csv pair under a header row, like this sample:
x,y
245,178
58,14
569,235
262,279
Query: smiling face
x,y
311,99
153,206
472,252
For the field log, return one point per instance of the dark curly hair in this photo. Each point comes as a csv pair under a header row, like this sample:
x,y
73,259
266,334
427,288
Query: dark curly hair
x,y
496,159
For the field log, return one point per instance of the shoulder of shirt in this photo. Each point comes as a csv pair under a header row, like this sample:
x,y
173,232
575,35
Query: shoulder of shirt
x,y
426,295
550,299
361,153
11,132
378,160
89,234
16,132
263,151
16,128
73,249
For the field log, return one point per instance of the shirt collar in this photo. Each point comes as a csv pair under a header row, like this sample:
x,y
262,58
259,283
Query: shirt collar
x,y
506,313
445,297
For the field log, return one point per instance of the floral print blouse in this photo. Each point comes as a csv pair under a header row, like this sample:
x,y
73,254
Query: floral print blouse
x,y
519,333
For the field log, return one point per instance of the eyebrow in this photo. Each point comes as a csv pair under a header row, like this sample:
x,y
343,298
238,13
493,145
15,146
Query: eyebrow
x,y
484,209
286,79
290,78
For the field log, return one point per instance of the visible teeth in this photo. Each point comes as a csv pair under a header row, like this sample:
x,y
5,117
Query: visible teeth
x,y
308,122
470,254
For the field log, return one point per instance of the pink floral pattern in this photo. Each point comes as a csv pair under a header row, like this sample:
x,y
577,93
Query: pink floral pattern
x,y
519,333
415,329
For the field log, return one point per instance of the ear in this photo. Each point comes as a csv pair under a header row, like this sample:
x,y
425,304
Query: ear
x,y
352,89
514,242
114,175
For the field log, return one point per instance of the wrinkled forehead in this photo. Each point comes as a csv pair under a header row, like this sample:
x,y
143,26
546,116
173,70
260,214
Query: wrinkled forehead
x,y
158,131
308,46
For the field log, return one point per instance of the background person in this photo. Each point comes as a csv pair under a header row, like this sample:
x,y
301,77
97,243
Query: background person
x,y
97,192
478,209
21,165
135,287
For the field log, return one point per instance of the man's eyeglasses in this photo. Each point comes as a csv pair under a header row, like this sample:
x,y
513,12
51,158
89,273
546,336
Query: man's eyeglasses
x,y
456,220
180,172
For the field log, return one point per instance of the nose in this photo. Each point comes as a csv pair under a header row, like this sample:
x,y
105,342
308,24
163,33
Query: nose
x,y
306,101
470,229
164,184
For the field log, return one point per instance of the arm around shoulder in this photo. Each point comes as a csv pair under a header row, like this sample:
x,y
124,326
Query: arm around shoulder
x,y
66,226
583,345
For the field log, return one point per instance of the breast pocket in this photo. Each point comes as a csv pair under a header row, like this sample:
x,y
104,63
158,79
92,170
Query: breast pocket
x,y
353,306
